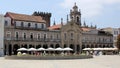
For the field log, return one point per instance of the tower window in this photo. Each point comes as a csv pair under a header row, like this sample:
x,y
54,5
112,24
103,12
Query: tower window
x,y
77,19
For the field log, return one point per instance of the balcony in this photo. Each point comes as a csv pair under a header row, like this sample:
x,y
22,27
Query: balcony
x,y
32,39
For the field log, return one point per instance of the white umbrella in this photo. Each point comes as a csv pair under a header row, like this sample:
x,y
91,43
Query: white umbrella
x,y
87,49
32,49
41,49
22,49
67,49
59,49
50,49
97,49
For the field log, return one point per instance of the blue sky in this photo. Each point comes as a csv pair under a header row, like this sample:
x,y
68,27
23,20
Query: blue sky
x,y
103,13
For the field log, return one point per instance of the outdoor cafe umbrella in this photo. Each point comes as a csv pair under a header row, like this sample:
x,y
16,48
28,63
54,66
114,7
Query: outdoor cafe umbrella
x,y
59,49
50,49
67,49
22,49
32,49
87,49
41,49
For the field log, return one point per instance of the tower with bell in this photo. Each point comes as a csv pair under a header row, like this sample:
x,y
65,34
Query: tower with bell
x,y
75,15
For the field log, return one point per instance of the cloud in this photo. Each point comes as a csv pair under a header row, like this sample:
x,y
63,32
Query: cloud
x,y
89,8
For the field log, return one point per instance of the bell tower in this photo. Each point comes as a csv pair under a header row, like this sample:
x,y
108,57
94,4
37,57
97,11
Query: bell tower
x,y
75,15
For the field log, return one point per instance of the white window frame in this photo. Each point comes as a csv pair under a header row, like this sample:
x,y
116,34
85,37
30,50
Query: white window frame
x,y
39,35
8,32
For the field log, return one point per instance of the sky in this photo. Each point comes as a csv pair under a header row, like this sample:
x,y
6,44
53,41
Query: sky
x,y
103,13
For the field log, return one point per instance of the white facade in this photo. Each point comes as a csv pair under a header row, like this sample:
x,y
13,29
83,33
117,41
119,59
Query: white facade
x,y
1,35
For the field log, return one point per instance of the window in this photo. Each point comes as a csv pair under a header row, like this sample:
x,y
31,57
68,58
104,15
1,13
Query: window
x,y
36,25
38,37
6,23
57,36
22,24
51,37
71,36
31,36
15,23
42,26
65,36
16,35
8,34
24,35
29,24
77,19
45,36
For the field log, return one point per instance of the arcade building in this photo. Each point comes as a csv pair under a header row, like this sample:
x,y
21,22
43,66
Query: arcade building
x,y
21,30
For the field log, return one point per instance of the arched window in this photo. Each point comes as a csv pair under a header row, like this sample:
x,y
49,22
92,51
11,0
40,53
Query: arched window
x,y
78,19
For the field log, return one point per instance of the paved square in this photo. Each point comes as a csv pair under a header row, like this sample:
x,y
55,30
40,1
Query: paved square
x,y
108,61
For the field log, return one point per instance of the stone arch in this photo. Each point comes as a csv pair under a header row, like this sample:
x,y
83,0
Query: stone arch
x,y
15,48
45,46
92,46
24,45
83,46
51,45
30,46
64,46
38,46
73,47
87,46
103,46
57,45
10,49
5,49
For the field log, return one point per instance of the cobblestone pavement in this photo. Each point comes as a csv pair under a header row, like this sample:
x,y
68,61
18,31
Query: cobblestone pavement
x,y
107,61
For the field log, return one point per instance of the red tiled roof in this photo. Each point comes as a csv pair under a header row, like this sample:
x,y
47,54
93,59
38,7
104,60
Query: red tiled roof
x,y
85,29
55,27
23,17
